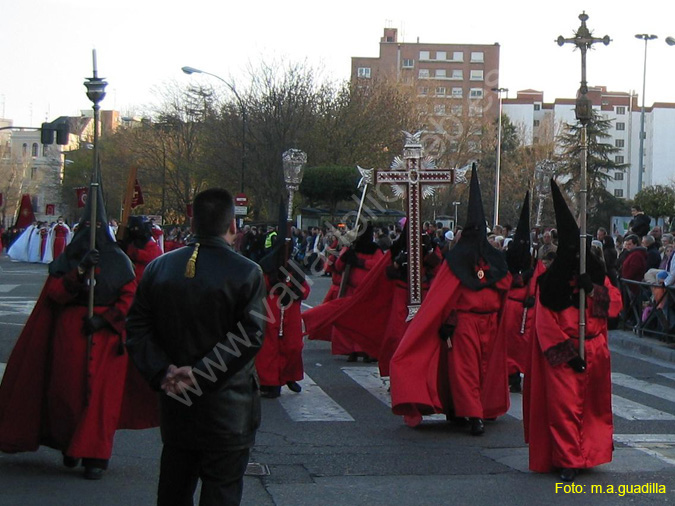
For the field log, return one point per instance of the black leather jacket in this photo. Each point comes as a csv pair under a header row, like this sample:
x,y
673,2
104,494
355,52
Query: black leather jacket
x,y
213,322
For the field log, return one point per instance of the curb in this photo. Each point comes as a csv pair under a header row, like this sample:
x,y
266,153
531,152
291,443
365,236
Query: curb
x,y
647,346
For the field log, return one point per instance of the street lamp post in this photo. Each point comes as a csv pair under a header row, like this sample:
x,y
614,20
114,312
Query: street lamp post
x,y
456,204
646,37
242,107
499,154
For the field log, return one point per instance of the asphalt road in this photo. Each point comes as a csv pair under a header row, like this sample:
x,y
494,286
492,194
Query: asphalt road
x,y
338,443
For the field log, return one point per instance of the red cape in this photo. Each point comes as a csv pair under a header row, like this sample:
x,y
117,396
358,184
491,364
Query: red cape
x,y
364,314
419,379
24,385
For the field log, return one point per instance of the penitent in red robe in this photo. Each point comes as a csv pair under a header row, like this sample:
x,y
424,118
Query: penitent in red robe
x,y
60,239
141,257
518,333
43,390
570,413
280,358
469,380
344,340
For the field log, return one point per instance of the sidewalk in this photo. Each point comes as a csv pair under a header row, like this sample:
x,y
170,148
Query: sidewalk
x,y
647,346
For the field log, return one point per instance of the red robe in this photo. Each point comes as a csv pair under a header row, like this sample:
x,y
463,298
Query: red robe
x,y
364,315
344,340
325,334
42,393
141,257
280,358
469,380
60,239
44,232
570,413
518,347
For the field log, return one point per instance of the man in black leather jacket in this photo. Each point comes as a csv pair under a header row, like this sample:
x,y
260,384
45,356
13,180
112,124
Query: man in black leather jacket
x,y
193,331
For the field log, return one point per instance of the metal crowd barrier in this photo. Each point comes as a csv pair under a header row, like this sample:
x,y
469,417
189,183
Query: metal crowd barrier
x,y
648,309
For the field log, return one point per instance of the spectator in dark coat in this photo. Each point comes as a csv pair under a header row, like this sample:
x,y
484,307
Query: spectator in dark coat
x,y
653,255
640,223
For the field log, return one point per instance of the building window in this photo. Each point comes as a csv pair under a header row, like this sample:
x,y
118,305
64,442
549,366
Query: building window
x,y
618,176
477,56
34,150
620,126
621,110
424,91
439,109
363,72
440,91
408,63
537,107
535,122
619,143
424,74
44,150
476,93
24,149
457,74
424,55
618,193
456,110
441,73
618,158
441,55
476,75
457,93
457,56
475,110
33,171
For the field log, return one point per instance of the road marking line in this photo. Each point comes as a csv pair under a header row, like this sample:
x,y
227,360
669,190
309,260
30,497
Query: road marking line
x,y
7,288
516,409
370,379
312,404
630,410
2,370
651,441
669,375
644,387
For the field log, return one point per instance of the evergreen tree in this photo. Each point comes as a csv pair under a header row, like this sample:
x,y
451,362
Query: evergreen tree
x,y
600,166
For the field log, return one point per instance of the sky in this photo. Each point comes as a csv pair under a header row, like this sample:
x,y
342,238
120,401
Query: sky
x,y
142,44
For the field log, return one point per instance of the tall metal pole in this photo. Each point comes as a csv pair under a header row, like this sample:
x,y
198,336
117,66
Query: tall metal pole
x,y
646,37
244,119
583,40
95,92
499,156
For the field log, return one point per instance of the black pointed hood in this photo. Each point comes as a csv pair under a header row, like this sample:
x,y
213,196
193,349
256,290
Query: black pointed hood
x,y
557,284
518,255
473,260
364,242
114,269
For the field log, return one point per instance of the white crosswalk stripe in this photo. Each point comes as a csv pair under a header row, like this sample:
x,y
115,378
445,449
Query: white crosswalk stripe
x,y
644,387
656,445
10,305
630,410
312,404
7,288
2,370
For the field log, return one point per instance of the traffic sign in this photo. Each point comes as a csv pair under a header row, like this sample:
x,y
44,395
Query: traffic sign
x,y
241,199
240,210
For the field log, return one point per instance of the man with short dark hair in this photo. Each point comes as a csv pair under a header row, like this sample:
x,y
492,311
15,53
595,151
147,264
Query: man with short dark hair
x,y
194,329
653,255
639,225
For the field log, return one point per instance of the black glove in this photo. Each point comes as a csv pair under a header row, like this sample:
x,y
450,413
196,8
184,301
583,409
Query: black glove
x,y
90,259
586,283
349,257
446,331
94,324
578,364
529,302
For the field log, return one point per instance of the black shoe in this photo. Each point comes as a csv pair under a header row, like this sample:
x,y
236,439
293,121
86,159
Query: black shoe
x,y
270,392
568,474
353,357
477,426
93,473
369,360
514,383
70,462
294,386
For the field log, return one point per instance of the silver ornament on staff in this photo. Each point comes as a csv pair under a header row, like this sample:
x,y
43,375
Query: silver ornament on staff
x,y
294,162
583,40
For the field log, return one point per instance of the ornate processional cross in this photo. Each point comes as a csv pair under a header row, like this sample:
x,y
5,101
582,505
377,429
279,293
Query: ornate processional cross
x,y
407,175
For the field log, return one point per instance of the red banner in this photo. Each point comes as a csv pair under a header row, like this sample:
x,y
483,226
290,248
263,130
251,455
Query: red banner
x,y
49,209
81,196
137,199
